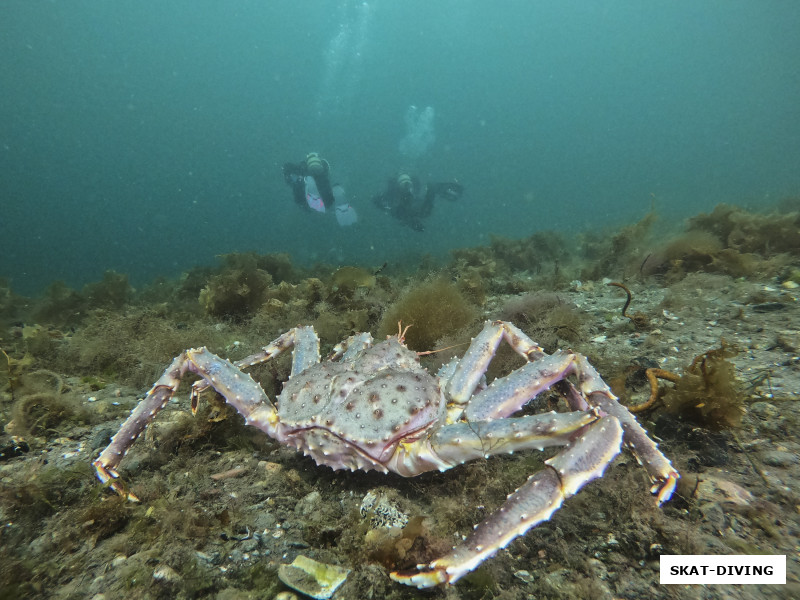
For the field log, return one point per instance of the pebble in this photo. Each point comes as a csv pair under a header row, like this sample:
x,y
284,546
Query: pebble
x,y
119,560
166,574
713,489
764,410
779,458
308,504
524,576
788,341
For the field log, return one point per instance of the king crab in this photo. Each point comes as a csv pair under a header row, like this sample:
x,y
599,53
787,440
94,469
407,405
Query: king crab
x,y
374,407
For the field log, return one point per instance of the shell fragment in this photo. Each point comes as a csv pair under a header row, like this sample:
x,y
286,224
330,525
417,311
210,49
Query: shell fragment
x,y
312,578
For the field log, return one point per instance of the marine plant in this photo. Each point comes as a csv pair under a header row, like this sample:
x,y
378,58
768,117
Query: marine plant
x,y
746,231
348,284
639,319
351,278
732,241
621,252
238,290
433,309
42,406
11,304
113,291
473,285
278,265
546,316
132,346
708,393
60,305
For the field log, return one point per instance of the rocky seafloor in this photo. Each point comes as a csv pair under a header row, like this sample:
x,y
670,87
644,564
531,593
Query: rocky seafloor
x,y
222,506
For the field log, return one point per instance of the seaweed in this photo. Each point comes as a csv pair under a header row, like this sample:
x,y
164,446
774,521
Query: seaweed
x,y
729,240
41,490
638,319
618,252
749,232
433,309
238,291
708,393
113,291
349,287
473,286
349,279
334,327
12,306
548,317
690,252
60,305
133,347
43,406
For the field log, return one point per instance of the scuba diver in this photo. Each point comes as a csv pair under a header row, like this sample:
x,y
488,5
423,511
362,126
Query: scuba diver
x,y
312,189
406,201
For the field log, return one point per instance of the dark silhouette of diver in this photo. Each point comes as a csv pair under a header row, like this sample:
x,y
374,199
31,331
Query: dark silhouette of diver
x,y
311,188
407,202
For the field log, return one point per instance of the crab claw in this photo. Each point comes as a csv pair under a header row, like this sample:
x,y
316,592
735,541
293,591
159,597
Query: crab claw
x,y
421,579
667,487
107,475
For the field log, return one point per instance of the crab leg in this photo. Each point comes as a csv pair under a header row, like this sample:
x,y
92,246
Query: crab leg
x,y
351,346
658,467
473,364
462,442
305,352
534,502
239,389
302,340
506,395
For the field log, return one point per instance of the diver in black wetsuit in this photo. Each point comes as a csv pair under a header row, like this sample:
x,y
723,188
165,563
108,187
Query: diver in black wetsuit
x,y
406,201
300,177
312,189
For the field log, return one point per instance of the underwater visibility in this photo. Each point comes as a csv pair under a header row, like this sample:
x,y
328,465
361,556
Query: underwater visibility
x,y
393,300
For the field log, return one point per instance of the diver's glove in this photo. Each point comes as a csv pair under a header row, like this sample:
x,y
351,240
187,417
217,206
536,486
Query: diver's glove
x,y
450,190
292,173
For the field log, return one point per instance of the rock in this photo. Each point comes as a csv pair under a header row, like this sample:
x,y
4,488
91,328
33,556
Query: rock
x,y
788,341
713,489
119,560
764,410
166,574
779,458
308,505
524,576
714,515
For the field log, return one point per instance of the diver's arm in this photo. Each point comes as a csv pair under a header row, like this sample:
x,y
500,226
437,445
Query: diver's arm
x,y
294,176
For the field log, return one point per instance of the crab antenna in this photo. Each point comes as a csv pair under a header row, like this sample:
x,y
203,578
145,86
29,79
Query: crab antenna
x,y
426,352
401,333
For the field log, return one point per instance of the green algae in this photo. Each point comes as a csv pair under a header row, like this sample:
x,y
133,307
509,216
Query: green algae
x,y
433,309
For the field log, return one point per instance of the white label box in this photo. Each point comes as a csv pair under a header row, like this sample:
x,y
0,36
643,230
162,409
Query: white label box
x,y
734,568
